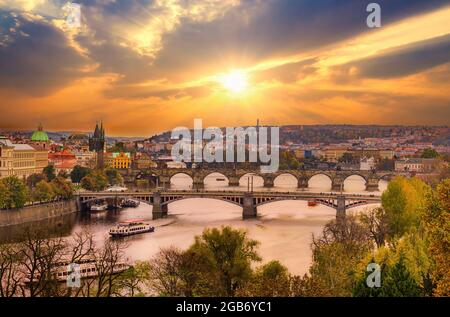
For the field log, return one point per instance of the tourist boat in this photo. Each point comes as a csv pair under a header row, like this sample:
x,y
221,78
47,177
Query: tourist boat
x,y
127,203
99,207
312,203
130,227
220,179
88,268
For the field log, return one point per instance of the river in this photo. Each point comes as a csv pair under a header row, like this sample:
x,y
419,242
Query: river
x,y
284,228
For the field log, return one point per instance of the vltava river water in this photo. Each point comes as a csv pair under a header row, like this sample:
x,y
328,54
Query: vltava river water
x,y
284,228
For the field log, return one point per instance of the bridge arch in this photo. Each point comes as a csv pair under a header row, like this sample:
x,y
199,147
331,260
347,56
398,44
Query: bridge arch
x,y
181,180
229,201
215,179
320,180
355,182
258,180
290,181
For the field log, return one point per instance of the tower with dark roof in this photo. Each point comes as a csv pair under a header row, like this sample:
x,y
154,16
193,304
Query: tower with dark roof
x,y
97,143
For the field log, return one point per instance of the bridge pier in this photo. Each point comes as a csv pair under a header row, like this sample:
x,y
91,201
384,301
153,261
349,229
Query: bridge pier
x,y
159,210
337,184
372,185
340,210
268,181
233,181
249,208
302,183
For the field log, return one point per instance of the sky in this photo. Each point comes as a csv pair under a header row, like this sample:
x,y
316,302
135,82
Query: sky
x,y
146,66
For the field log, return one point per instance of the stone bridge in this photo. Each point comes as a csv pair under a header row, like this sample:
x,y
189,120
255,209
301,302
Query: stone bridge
x,y
249,201
163,176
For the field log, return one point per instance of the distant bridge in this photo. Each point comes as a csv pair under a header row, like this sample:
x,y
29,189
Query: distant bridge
x,y
249,201
164,175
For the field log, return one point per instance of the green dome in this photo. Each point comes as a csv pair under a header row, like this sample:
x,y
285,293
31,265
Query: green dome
x,y
40,135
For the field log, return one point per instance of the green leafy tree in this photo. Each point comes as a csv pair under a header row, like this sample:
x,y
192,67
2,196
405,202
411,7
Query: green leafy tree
x,y
33,179
63,174
396,281
229,254
336,254
269,280
15,193
49,172
437,224
62,188
43,191
95,181
78,172
114,177
403,202
429,153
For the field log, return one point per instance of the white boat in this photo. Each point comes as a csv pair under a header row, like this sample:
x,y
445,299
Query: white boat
x,y
99,207
88,268
130,227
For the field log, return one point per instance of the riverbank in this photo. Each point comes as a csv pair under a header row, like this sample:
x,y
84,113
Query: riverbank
x,y
39,212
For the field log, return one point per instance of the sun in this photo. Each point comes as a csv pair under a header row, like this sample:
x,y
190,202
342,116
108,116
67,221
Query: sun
x,y
235,81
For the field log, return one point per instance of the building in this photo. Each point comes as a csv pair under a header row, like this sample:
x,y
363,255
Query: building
x,y
333,154
367,164
409,165
40,138
419,165
21,160
97,144
143,161
121,160
63,161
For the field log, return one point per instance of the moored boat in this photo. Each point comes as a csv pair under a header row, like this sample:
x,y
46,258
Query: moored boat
x,y
130,203
99,207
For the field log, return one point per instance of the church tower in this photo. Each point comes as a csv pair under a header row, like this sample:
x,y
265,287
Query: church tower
x,y
97,144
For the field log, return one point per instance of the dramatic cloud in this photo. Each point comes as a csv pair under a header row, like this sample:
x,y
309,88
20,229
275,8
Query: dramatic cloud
x,y
36,58
404,60
303,62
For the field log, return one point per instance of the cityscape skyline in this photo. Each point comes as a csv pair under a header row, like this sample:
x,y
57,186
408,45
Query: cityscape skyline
x,y
285,62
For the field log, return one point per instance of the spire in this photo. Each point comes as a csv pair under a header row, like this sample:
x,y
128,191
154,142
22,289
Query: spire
x,y
40,127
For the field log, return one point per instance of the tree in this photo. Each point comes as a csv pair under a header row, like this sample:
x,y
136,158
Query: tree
x,y
437,224
396,281
132,281
62,188
269,280
429,153
78,172
403,202
63,174
375,221
114,177
49,172
43,191
15,193
229,254
95,181
336,253
33,179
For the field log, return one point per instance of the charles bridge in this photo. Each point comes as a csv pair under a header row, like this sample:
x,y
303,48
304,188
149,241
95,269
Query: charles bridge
x,y
162,176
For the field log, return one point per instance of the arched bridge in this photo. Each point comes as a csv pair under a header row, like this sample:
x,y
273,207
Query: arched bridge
x,y
249,201
337,178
